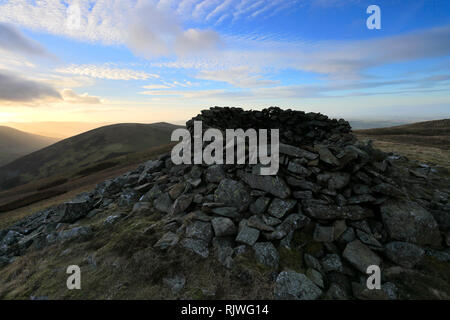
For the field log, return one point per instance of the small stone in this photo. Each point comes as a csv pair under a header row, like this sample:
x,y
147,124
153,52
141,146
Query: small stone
x,y
266,254
293,285
360,256
163,203
197,246
247,235
312,262
229,212
181,204
332,262
175,283
199,230
315,276
260,205
215,173
279,207
257,223
223,227
168,240
233,194
323,233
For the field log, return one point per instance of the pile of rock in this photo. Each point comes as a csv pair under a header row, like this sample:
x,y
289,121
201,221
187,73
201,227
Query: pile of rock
x,y
360,208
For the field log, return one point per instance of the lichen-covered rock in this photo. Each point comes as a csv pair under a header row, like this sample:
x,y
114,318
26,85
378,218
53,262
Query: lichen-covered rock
x,y
409,222
232,193
291,285
223,227
279,207
360,256
274,185
403,253
266,254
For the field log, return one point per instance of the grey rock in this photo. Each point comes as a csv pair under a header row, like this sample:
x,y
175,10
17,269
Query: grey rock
x,y
72,211
292,285
128,197
323,233
257,223
332,262
224,252
266,254
315,277
339,227
199,230
391,290
223,227
181,204
360,256
229,212
175,283
259,206
295,167
73,233
325,155
215,173
152,194
336,292
363,198
312,262
296,152
169,239
163,203
409,222
348,235
232,193
404,254
247,235
293,222
112,219
338,180
279,207
271,221
368,239
332,212
197,246
302,194
274,185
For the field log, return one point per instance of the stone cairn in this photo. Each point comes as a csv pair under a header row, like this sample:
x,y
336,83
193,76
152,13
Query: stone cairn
x,y
360,207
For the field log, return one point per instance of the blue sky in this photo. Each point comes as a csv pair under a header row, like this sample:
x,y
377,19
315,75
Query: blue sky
x,y
164,60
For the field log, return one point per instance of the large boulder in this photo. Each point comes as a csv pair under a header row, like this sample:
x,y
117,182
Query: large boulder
x,y
407,221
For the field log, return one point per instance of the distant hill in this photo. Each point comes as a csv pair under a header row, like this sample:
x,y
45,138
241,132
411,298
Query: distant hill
x,y
15,143
57,129
425,128
84,151
427,141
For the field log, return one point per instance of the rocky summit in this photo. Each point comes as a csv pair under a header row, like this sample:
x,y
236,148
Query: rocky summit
x,y
335,207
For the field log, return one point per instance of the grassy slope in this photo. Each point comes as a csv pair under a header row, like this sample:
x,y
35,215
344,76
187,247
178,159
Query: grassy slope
x,y
15,144
427,142
84,150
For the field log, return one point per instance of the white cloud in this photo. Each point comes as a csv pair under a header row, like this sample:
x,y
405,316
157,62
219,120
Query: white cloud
x,y
71,96
105,72
148,28
242,77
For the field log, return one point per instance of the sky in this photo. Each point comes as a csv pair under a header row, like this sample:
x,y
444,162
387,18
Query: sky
x,y
165,60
